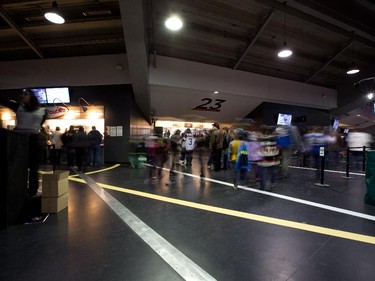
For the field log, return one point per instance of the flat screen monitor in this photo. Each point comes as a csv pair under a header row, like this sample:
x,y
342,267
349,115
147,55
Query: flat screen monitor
x,y
284,119
40,93
58,95
335,124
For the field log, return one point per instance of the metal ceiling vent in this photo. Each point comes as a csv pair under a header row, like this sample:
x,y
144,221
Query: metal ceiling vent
x,y
96,12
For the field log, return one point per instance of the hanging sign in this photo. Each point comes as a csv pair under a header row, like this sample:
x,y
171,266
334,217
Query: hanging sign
x,y
56,111
213,105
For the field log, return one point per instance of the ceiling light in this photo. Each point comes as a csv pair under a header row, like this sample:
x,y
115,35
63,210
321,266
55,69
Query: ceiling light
x,y
53,15
358,115
370,96
352,69
284,52
216,92
173,23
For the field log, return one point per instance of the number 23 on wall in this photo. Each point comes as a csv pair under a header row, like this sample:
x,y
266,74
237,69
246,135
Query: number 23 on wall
x,y
210,105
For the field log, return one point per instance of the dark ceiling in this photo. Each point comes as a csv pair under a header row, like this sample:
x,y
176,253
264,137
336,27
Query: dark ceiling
x,y
240,34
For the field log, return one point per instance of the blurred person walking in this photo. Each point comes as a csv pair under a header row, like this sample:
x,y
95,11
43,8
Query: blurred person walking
x,y
270,153
356,140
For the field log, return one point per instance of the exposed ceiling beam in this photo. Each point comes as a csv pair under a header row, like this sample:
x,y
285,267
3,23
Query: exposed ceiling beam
x,y
133,23
325,64
261,27
22,34
338,28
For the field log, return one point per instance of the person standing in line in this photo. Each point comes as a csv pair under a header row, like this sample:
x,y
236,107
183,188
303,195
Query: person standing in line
x,y
95,140
216,146
56,140
30,118
226,141
189,141
234,149
80,144
68,141
175,147
201,148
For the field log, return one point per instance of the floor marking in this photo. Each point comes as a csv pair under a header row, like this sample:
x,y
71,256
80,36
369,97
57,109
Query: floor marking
x,y
88,173
239,214
328,171
285,197
185,267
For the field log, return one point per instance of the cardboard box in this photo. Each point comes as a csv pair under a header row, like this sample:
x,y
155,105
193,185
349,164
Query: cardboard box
x,y
55,184
55,176
54,205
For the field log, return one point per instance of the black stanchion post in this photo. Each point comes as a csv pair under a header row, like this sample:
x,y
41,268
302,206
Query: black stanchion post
x,y
364,159
347,164
322,159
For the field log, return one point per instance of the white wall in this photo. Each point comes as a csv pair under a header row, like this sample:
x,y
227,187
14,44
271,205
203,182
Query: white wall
x,y
203,77
73,71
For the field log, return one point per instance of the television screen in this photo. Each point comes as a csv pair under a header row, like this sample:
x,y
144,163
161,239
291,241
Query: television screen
x,y
335,124
284,119
58,95
40,93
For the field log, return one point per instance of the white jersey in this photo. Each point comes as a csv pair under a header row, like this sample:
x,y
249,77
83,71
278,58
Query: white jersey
x,y
189,142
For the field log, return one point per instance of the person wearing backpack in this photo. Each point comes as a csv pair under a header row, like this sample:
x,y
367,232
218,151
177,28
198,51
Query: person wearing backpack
x,y
242,164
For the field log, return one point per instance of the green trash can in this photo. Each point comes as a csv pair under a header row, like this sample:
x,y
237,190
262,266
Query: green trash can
x,y
137,159
370,178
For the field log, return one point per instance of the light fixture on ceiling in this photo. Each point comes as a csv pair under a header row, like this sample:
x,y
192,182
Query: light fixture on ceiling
x,y
174,23
370,96
284,52
84,108
352,69
216,92
53,15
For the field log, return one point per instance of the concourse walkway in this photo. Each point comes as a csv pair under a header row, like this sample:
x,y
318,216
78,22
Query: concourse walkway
x,y
118,227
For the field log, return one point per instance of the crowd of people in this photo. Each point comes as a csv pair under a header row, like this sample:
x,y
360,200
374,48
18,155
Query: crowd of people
x,y
259,155
74,147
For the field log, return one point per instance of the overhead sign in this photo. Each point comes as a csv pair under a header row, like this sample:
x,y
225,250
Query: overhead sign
x,y
213,105
56,111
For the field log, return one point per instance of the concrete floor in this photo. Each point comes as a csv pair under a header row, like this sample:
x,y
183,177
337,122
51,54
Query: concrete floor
x,y
90,242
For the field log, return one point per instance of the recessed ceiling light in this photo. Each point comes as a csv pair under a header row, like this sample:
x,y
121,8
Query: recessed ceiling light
x,y
216,92
174,23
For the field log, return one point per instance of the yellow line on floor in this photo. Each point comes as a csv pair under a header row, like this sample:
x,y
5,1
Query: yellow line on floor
x,y
101,170
88,173
244,215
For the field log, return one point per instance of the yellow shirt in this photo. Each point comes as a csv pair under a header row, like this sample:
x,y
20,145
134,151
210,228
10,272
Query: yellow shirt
x,y
233,147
